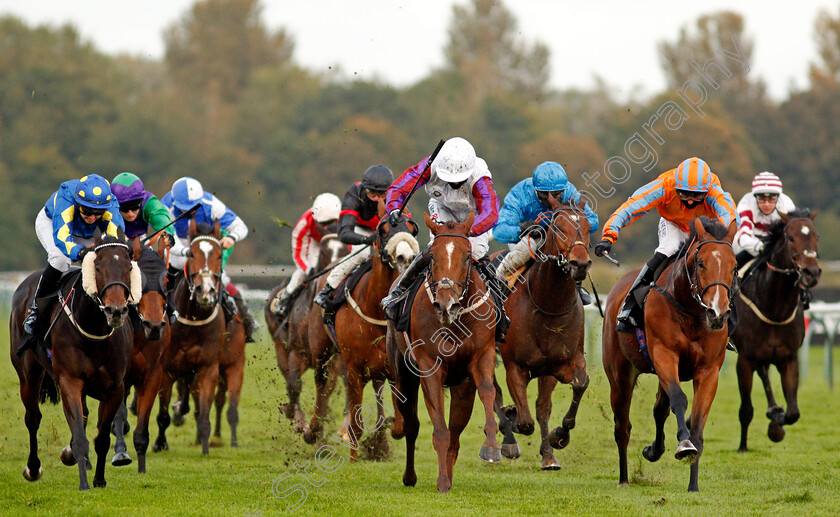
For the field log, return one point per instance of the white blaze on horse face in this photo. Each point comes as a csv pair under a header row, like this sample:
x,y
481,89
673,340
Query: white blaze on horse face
x,y
716,299
805,230
450,247
205,247
335,248
116,257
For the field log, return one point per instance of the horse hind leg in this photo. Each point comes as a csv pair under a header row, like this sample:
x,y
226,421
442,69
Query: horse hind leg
x,y
219,403
163,418
510,449
745,413
235,377
790,382
462,399
481,371
71,398
661,409
108,409
121,456
29,392
546,388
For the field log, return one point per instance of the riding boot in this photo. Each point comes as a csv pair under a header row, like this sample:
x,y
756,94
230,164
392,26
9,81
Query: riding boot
x,y
281,304
742,258
584,295
631,315
170,309
485,269
420,262
805,296
46,285
251,324
324,295
229,306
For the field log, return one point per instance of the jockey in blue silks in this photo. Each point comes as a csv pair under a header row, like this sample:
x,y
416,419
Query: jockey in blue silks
x,y
527,205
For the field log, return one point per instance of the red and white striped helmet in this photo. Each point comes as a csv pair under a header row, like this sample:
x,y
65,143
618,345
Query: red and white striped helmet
x,y
766,183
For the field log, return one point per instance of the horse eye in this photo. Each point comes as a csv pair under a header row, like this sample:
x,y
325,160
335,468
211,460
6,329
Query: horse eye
x,y
790,238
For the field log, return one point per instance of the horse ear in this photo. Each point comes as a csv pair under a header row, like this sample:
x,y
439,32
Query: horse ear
x,y
121,235
428,220
97,235
733,229
701,231
468,223
785,218
554,202
193,229
217,229
581,204
161,248
135,245
813,214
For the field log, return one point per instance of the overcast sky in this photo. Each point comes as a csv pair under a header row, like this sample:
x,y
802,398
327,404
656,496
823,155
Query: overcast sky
x,y
399,41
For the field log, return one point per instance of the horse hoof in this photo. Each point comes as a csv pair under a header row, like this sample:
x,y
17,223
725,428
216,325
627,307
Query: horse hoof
x,y
490,455
409,479
775,432
511,451
509,412
27,474
776,414
309,436
160,446
121,459
686,451
558,438
652,454
178,420
549,463
99,483
67,456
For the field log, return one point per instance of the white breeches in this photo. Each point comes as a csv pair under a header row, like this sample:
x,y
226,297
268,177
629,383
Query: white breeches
x,y
671,237
443,214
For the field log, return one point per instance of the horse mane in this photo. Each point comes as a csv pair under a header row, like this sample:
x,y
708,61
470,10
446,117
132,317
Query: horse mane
x,y
713,226
776,231
203,229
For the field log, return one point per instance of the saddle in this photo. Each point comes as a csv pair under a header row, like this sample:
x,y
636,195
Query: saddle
x,y
402,322
337,299
642,291
45,306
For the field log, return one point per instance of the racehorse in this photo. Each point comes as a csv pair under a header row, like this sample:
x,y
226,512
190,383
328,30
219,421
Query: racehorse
x,y
301,342
686,333
546,336
198,334
451,343
772,322
231,375
85,353
150,339
360,325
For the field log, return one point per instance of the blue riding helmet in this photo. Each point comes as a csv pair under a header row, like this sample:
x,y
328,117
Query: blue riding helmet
x,y
186,192
693,175
550,177
93,191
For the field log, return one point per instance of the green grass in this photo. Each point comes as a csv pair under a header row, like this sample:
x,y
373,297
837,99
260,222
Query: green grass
x,y
799,476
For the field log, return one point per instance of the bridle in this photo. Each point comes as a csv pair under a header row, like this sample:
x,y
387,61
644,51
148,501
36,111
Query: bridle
x,y
562,257
204,272
796,269
97,298
382,252
448,283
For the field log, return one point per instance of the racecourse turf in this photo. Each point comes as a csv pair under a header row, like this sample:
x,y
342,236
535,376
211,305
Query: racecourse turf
x,y
799,476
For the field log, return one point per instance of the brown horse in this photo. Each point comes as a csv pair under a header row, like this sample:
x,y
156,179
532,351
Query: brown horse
x,y
686,332
89,346
546,336
772,320
301,342
360,325
151,337
231,375
451,343
198,334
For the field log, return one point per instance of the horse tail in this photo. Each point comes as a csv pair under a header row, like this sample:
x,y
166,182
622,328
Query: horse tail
x,y
49,390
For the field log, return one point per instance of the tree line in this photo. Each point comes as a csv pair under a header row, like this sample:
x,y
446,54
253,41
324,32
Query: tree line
x,y
229,105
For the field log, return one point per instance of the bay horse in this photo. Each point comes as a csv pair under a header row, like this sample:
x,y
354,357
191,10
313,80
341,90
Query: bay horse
x,y
302,342
772,319
198,334
685,319
546,337
231,376
360,326
451,343
151,337
86,352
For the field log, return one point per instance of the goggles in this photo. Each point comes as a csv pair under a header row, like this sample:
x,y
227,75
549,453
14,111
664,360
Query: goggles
x,y
767,197
691,196
375,193
130,206
87,212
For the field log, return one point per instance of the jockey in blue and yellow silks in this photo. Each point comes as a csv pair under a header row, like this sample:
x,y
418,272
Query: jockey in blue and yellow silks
x,y
679,195
527,205
65,227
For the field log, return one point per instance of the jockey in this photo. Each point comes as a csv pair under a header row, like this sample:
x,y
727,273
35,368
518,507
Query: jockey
x,y
679,195
187,192
357,223
66,226
140,209
528,202
458,182
305,238
759,210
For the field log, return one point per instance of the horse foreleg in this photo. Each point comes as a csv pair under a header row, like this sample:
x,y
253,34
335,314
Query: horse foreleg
x,y
433,396
580,381
407,385
181,407
510,449
775,413
121,456
790,384
661,410
163,418
355,390
461,401
219,402
324,385
108,408
235,375
705,388
546,388
206,382
380,449
666,363
745,413
517,382
30,384
481,369
71,401
294,384
145,396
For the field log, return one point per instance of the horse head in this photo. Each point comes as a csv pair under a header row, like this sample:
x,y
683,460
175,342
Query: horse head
x,y
710,267
204,264
152,306
396,246
798,247
451,265
567,238
110,277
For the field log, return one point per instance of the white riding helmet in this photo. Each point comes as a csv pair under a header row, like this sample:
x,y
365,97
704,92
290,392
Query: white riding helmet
x,y
326,207
455,162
